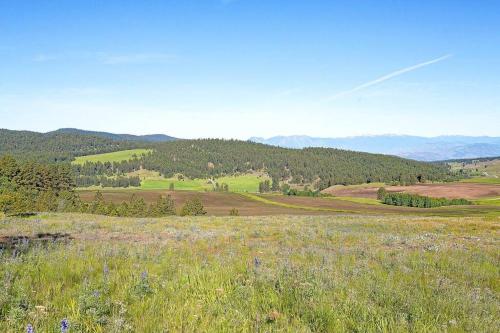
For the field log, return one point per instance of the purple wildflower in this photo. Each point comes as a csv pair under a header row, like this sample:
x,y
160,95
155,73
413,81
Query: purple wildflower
x,y
144,275
256,262
64,325
30,329
106,270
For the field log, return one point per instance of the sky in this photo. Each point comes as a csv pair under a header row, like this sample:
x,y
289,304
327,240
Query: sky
x,y
242,68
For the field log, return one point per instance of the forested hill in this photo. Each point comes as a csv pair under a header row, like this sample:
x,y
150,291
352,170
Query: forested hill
x,y
321,166
213,157
118,137
56,147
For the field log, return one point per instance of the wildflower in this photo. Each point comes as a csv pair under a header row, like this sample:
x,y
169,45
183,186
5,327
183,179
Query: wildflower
x,y
64,325
256,262
144,275
30,329
106,270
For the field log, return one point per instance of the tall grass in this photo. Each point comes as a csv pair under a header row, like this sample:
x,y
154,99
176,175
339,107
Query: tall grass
x,y
290,274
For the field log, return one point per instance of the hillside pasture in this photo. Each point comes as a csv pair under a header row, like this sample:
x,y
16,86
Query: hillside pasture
x,y
237,183
250,274
117,156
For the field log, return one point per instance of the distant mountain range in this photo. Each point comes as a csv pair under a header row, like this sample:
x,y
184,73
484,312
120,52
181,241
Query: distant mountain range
x,y
413,147
118,137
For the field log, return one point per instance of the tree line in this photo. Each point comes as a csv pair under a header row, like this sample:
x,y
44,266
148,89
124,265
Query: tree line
x,y
28,187
213,158
57,147
324,167
415,200
104,181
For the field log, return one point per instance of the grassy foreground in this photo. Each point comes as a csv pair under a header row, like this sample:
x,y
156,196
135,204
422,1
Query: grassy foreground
x,y
287,274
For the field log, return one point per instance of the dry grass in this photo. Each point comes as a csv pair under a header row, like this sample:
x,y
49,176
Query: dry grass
x,y
289,273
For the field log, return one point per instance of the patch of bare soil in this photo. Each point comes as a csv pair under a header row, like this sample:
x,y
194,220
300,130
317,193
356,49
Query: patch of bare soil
x,y
451,190
12,242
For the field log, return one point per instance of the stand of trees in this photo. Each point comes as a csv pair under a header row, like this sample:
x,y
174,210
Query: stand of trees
x,y
223,187
265,186
56,146
31,186
415,200
119,181
213,158
135,207
106,168
323,166
28,187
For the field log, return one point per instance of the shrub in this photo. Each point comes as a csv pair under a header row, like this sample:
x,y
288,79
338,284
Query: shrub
x,y
193,207
234,212
381,193
163,206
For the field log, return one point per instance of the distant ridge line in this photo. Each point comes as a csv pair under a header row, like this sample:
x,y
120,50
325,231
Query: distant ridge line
x,y
117,137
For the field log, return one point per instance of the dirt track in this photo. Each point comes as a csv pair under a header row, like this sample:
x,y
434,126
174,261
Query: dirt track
x,y
452,190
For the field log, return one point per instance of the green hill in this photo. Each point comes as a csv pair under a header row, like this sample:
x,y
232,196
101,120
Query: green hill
x,y
319,166
57,147
214,158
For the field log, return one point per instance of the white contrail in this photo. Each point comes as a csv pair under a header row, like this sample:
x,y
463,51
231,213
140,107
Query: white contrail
x,y
389,76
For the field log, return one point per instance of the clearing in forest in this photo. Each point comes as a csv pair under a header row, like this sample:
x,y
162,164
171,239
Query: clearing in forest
x,y
117,156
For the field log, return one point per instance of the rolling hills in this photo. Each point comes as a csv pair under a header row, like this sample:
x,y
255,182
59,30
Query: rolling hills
x,y
205,158
413,147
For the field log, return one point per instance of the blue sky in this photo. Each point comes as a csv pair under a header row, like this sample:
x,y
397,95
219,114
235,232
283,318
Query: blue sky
x,y
241,68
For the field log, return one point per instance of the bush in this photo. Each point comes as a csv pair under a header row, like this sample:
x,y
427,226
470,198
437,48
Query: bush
x,y
381,193
164,206
234,212
193,207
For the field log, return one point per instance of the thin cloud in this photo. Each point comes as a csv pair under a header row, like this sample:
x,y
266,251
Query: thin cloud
x,y
44,57
388,77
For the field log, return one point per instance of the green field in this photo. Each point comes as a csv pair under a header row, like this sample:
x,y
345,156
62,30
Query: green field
x,y
118,156
481,180
252,274
186,184
488,201
243,183
360,200
240,183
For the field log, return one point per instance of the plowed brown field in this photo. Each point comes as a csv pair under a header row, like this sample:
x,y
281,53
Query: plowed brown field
x,y
451,190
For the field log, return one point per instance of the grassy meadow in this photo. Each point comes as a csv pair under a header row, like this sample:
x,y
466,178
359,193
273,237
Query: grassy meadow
x,y
239,183
118,156
482,180
252,274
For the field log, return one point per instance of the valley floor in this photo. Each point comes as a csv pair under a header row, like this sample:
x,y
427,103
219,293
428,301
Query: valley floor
x,y
248,204
337,273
